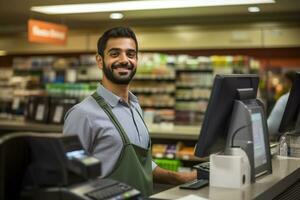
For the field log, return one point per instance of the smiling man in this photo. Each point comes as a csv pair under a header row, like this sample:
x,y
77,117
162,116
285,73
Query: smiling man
x,y
109,123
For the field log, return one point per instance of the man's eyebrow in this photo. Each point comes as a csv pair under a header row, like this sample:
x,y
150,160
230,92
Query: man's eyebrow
x,y
131,50
114,49
118,49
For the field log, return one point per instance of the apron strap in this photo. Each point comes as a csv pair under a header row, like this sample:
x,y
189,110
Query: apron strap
x,y
149,143
112,117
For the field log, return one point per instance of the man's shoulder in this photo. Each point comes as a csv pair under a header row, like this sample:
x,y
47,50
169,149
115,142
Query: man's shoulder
x,y
86,106
284,98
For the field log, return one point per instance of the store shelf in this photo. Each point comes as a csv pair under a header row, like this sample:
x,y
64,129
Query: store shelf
x,y
157,106
192,94
162,81
191,111
156,131
191,99
154,77
182,158
189,70
192,85
153,90
24,126
174,132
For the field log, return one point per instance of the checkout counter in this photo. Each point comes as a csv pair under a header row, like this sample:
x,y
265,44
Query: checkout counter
x,y
55,167
283,183
234,97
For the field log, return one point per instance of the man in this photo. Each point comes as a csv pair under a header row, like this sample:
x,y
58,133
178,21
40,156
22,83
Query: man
x,y
109,123
276,114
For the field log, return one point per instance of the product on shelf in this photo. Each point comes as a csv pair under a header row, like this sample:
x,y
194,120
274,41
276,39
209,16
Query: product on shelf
x,y
192,94
58,109
185,153
47,109
159,150
155,64
154,86
172,165
37,109
76,90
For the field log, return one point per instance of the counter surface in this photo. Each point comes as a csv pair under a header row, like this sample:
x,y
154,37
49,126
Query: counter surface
x,y
286,171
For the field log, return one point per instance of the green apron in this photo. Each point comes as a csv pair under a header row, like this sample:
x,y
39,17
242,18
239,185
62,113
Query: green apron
x,y
134,165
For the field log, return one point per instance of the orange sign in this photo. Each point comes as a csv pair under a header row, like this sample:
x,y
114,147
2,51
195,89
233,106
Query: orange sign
x,y
44,32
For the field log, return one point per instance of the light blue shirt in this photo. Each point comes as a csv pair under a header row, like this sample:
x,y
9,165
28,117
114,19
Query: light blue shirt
x,y
98,134
275,117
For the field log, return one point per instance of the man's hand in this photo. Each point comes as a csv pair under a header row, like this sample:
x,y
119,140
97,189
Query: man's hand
x,y
175,178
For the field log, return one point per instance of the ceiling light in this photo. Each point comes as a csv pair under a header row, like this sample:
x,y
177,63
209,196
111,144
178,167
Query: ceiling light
x,y
139,5
116,16
2,53
253,9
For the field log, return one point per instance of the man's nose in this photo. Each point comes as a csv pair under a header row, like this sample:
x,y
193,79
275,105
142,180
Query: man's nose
x,y
123,58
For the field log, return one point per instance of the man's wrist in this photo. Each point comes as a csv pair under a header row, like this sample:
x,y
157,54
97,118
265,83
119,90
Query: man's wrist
x,y
185,177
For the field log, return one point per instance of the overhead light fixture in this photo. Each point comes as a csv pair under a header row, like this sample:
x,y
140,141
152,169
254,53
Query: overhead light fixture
x,y
116,16
2,53
139,5
253,9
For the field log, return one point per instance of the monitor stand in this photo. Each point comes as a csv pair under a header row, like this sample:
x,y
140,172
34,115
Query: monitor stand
x,y
240,134
248,130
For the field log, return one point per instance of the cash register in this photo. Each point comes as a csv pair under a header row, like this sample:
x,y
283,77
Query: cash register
x,y
234,119
53,166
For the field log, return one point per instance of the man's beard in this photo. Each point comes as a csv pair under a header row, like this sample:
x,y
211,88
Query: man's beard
x,y
119,79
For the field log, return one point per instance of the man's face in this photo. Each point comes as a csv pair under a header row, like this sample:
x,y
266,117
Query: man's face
x,y
120,60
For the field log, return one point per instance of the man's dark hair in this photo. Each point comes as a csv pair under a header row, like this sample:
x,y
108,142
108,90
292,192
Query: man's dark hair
x,y
117,32
290,75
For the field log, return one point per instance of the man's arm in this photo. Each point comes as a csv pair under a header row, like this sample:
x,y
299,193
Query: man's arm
x,y
175,178
275,117
77,123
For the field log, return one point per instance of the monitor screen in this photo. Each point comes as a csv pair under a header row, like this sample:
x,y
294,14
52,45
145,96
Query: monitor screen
x,y
291,113
259,146
76,154
213,134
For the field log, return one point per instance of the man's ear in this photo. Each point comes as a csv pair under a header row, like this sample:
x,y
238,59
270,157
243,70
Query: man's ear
x,y
99,61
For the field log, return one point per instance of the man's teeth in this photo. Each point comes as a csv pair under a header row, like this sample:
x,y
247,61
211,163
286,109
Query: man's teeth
x,y
123,69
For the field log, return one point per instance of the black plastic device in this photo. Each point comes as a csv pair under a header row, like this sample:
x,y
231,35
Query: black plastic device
x,y
235,119
202,170
291,118
214,129
194,185
53,166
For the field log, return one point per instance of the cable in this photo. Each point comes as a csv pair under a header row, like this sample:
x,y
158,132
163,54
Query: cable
x,y
235,132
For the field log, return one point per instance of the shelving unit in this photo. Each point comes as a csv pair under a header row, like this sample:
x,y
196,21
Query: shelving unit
x,y
193,87
154,85
6,94
173,89
173,92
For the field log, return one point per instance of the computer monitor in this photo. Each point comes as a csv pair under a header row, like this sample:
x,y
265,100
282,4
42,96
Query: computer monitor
x,y
214,130
290,121
235,118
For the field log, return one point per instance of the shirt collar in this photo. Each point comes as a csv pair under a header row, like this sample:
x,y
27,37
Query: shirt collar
x,y
113,99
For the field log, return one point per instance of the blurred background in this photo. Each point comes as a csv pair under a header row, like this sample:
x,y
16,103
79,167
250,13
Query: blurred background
x,y
181,49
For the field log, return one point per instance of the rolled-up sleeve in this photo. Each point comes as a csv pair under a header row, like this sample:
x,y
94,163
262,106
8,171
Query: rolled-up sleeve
x,y
77,123
276,115
154,165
